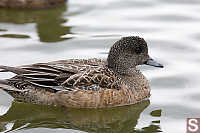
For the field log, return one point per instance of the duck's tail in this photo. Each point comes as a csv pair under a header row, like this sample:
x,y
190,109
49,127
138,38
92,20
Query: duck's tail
x,y
11,90
15,70
5,85
4,82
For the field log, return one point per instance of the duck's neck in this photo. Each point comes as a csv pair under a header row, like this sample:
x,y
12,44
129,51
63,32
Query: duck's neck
x,y
121,71
120,65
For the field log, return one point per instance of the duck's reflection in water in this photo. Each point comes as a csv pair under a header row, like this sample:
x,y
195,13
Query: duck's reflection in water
x,y
49,22
110,120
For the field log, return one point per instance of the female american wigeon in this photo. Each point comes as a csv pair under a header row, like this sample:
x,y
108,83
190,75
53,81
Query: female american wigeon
x,y
85,83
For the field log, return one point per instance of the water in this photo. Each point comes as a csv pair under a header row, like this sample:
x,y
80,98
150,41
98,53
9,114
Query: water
x,y
87,29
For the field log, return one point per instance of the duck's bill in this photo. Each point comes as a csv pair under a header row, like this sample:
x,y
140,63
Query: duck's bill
x,y
152,62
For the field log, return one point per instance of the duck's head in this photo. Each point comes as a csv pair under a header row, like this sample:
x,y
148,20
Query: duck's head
x,y
129,52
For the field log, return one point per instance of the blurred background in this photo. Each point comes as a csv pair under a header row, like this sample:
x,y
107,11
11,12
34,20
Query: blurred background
x,y
87,29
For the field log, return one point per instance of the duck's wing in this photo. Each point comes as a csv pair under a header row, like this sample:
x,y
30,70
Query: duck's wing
x,y
71,65
54,75
87,78
94,79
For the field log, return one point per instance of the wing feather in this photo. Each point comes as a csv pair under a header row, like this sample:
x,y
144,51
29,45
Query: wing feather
x,y
64,74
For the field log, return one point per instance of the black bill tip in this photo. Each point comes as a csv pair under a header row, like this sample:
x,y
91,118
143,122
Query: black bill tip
x,y
152,62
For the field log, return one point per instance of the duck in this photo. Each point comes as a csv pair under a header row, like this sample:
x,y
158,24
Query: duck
x,y
85,83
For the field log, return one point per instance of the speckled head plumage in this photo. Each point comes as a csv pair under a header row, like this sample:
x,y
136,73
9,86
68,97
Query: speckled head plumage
x,y
128,52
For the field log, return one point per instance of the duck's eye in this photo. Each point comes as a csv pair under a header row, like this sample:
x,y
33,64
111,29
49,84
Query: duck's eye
x,y
138,50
